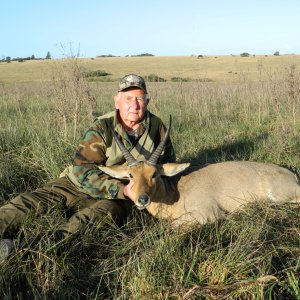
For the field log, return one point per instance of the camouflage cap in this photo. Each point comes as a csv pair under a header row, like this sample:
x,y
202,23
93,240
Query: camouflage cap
x,y
132,80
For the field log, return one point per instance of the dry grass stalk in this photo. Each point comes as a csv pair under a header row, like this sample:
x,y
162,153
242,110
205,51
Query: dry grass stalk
x,y
72,94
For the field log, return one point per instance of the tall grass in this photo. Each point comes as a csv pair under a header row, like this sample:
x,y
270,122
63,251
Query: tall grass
x,y
253,254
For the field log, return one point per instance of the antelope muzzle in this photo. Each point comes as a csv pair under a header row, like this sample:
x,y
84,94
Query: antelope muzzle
x,y
143,201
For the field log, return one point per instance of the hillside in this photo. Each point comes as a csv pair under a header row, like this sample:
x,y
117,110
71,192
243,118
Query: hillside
x,y
210,68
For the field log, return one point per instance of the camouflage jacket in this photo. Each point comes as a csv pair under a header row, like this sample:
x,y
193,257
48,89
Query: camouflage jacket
x,y
98,147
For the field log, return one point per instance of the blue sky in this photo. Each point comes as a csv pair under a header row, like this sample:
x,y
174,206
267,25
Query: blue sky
x,y
160,27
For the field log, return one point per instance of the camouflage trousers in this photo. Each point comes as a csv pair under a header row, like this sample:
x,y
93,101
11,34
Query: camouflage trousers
x,y
84,209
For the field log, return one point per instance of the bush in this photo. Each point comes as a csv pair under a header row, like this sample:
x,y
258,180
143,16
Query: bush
x,y
204,80
180,79
245,54
276,53
154,78
106,55
97,73
186,79
143,54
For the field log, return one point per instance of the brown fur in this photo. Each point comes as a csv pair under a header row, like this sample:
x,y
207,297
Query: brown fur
x,y
205,194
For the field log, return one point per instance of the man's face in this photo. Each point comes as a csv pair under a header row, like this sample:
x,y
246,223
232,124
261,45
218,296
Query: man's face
x,y
132,104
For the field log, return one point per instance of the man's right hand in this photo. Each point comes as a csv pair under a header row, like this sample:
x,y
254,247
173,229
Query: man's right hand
x,y
127,190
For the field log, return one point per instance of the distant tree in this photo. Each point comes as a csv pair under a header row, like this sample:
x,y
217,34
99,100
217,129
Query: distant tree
x,y
245,54
200,56
276,53
48,56
143,54
8,59
32,56
106,55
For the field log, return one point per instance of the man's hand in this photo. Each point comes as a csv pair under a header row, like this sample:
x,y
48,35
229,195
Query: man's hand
x,y
127,190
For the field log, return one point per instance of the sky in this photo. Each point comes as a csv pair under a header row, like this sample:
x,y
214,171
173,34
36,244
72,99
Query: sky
x,y
161,27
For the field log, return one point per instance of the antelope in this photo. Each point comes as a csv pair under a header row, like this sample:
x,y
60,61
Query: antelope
x,y
205,194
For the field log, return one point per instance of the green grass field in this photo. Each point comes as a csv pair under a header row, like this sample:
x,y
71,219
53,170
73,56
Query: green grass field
x,y
251,115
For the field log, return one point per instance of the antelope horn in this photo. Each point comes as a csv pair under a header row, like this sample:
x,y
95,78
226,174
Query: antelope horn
x,y
157,152
129,158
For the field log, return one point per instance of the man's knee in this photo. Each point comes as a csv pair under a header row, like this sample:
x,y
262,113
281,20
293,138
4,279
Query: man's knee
x,y
117,210
101,211
13,213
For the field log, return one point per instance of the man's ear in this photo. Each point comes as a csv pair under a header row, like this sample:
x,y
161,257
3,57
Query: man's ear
x,y
148,100
117,99
171,169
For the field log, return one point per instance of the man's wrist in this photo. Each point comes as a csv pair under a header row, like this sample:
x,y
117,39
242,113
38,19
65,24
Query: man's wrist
x,y
120,194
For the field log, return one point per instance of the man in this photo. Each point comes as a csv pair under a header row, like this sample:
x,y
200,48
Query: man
x,y
83,188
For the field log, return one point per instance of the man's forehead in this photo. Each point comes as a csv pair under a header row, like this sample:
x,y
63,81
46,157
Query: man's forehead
x,y
132,91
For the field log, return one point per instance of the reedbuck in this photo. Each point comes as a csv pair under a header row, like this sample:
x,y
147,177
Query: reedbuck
x,y
204,194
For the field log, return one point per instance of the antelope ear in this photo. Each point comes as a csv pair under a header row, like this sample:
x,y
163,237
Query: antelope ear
x,y
171,169
120,172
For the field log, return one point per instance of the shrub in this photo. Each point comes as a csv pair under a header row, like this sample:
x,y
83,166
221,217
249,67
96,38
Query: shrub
x,y
154,78
107,55
143,54
180,79
204,79
245,54
97,73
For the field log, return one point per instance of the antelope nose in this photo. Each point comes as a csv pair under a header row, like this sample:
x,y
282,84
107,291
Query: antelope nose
x,y
144,200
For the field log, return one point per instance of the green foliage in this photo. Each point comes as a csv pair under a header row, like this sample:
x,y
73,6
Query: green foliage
x,y
143,54
48,55
97,73
154,78
107,55
180,79
244,54
20,59
276,53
